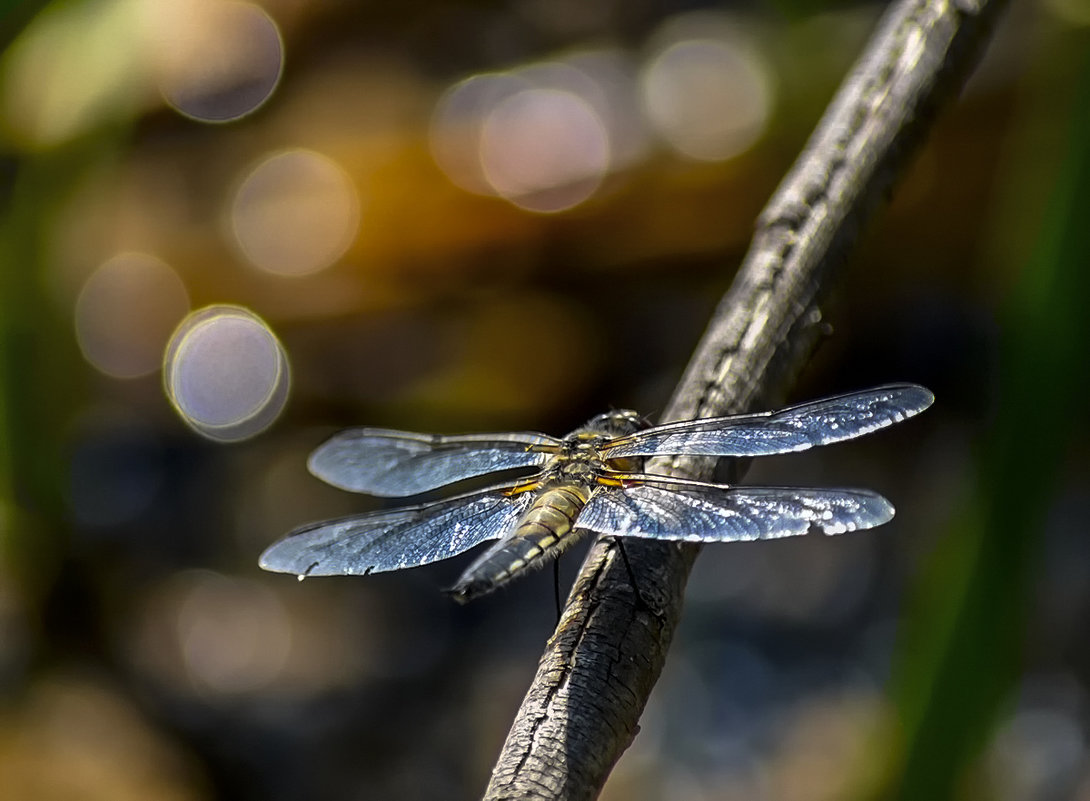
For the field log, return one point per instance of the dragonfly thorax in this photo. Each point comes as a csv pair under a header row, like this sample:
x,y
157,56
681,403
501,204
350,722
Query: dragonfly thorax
x,y
578,467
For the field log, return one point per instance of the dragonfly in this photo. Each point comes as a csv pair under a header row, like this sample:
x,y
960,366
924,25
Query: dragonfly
x,y
591,481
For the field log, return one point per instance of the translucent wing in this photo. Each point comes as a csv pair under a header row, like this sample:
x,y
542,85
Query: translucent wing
x,y
697,512
796,428
406,537
388,463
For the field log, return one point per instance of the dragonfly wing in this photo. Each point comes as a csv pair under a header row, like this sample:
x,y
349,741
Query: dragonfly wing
x,y
388,463
698,512
391,540
797,428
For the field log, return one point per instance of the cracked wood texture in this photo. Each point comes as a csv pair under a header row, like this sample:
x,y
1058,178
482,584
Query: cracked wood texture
x,y
583,708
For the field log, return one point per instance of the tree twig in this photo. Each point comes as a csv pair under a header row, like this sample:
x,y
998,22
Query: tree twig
x,y
583,708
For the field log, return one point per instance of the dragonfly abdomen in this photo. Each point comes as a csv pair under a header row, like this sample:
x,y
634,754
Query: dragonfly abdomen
x,y
544,531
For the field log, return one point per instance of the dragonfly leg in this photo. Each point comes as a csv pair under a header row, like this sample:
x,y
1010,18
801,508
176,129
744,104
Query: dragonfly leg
x,y
640,600
556,588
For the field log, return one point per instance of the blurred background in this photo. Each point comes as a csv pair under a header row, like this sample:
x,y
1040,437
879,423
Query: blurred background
x,y
231,228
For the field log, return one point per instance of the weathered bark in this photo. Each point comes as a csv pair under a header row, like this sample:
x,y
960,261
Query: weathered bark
x,y
583,708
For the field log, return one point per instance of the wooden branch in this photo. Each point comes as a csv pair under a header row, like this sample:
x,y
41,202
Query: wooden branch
x,y
582,710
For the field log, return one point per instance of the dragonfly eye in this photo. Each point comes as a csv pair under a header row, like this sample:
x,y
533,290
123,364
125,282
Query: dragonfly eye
x,y
620,422
616,423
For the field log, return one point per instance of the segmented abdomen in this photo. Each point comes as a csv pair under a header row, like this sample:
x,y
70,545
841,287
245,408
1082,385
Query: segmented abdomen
x,y
544,531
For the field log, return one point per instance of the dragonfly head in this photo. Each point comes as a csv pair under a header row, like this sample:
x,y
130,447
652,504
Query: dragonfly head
x,y
616,423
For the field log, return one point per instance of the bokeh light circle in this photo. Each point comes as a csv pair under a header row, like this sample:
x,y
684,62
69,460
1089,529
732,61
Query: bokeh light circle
x,y
125,312
296,213
455,132
545,150
216,60
234,634
710,99
226,373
